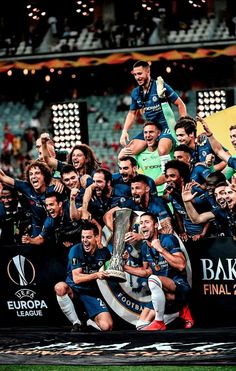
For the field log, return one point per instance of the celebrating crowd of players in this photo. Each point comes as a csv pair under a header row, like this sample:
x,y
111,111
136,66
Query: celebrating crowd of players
x,y
180,182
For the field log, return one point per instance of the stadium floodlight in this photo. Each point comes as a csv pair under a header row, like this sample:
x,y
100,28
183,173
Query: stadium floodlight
x,y
69,122
213,100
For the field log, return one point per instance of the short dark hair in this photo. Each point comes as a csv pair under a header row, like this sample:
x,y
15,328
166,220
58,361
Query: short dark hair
x,y
214,178
88,226
187,123
13,191
132,160
232,127
156,124
154,218
55,194
68,168
107,174
183,148
141,64
182,168
140,178
220,184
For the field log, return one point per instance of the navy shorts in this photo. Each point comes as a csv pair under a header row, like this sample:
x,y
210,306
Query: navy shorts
x,y
182,292
92,304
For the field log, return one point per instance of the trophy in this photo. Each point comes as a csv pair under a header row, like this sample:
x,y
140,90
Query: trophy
x,y
121,225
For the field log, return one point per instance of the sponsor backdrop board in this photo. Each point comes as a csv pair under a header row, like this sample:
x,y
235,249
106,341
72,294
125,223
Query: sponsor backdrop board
x,y
28,274
214,281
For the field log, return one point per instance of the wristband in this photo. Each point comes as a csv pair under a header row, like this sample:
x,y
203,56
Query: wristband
x,y
208,136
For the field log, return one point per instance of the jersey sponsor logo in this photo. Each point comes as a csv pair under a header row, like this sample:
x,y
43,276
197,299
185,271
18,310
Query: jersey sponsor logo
x,y
153,108
152,167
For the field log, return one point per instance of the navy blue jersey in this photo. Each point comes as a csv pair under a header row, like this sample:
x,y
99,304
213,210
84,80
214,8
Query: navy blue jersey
x,y
158,264
78,199
178,205
150,103
36,202
2,212
51,224
89,263
232,162
98,206
60,165
203,148
48,231
224,221
13,224
125,187
223,224
199,173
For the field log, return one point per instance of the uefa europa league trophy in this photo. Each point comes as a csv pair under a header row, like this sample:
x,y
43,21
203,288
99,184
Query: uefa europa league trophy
x,y
121,225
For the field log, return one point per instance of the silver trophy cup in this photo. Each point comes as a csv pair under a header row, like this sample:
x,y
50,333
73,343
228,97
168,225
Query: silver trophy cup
x,y
121,224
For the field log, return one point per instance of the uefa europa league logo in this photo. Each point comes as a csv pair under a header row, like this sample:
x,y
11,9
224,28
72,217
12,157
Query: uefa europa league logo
x,y
21,271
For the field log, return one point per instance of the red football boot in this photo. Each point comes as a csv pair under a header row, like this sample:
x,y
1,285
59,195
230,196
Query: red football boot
x,y
155,326
185,314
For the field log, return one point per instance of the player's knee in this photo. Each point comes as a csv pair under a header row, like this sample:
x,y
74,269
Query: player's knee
x,y
105,326
61,288
154,282
104,322
170,296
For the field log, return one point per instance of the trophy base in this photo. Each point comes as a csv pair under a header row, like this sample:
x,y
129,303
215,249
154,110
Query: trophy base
x,y
117,276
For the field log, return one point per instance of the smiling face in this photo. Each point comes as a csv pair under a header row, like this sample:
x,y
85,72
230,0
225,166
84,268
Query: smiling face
x,y
151,133
233,137
126,170
54,208
220,196
148,227
36,179
71,180
183,137
230,197
100,184
78,159
141,75
89,241
173,178
182,156
139,190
